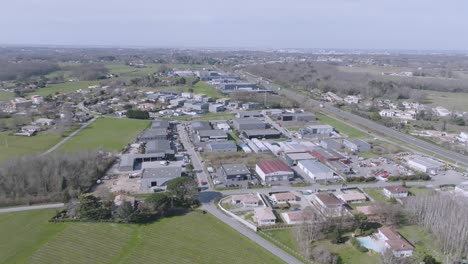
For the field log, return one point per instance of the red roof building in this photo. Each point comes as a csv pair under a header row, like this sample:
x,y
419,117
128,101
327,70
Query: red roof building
x,y
274,170
325,155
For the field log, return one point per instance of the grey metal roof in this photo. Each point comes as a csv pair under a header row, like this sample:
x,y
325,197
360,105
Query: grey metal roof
x,y
200,125
212,133
427,162
160,124
235,169
249,120
261,132
158,145
153,132
222,145
314,166
162,172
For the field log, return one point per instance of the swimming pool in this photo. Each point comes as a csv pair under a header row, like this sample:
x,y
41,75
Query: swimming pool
x,y
370,243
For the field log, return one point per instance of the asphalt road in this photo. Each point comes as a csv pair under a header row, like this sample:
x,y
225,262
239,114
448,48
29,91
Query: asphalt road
x,y
32,207
458,158
211,208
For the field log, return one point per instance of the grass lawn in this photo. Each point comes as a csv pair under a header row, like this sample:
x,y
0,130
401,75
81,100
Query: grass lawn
x,y
422,241
5,96
448,100
112,134
376,194
27,237
12,146
284,236
64,87
341,127
349,254
204,88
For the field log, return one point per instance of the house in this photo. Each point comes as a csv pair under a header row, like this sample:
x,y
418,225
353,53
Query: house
x,y
158,177
246,200
315,170
283,197
250,123
325,155
214,108
273,170
236,172
262,133
177,101
200,126
425,165
153,134
20,103
222,146
293,158
329,143
121,198
187,95
247,114
352,99
355,144
399,246
212,135
328,204
294,217
198,106
371,213
395,191
37,99
44,122
352,197
264,216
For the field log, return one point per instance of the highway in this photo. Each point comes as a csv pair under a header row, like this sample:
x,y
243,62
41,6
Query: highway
x,y
457,158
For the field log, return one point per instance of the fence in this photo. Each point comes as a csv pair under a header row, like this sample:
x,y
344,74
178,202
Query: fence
x,y
243,221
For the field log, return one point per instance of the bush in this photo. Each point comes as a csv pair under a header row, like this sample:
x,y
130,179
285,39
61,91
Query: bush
x,y
137,114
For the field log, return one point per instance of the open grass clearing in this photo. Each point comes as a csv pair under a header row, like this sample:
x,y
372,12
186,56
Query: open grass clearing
x,y
449,100
27,237
424,244
376,194
12,146
64,87
341,127
111,134
348,253
6,95
285,236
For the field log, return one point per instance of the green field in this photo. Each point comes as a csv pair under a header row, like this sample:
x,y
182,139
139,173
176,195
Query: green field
x,y
5,96
27,237
64,87
424,244
204,88
376,194
456,101
349,254
340,126
112,134
285,236
12,146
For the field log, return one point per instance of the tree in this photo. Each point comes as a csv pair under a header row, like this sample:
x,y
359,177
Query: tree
x,y
428,259
137,114
182,188
337,236
125,212
92,208
158,202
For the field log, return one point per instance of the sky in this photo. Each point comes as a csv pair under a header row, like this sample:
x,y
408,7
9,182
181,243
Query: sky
x,y
344,24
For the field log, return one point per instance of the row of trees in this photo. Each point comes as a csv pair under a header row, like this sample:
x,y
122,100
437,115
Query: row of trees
x,y
137,114
51,178
21,70
446,217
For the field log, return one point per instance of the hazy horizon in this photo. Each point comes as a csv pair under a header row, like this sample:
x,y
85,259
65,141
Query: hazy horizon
x,y
360,24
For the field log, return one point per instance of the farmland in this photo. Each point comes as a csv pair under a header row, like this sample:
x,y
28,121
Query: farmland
x,y
64,87
27,237
111,134
12,146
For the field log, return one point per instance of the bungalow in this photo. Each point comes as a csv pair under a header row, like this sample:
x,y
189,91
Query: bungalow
x,y
264,216
328,204
246,200
395,191
355,197
399,246
294,217
283,197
